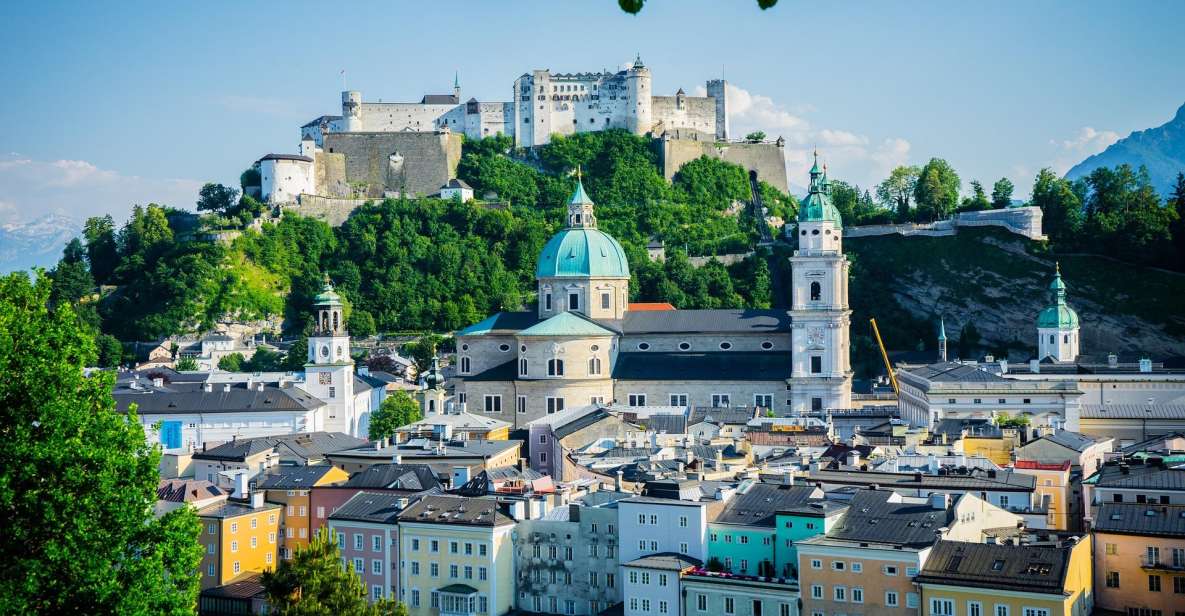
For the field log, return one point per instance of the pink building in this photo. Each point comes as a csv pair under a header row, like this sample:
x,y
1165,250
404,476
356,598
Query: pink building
x,y
406,480
367,535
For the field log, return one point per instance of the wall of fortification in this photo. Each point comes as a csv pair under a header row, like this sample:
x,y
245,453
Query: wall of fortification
x,y
332,211
410,163
391,117
767,159
1024,221
696,113
330,171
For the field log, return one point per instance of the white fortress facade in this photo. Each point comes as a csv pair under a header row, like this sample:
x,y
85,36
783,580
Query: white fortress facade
x,y
544,103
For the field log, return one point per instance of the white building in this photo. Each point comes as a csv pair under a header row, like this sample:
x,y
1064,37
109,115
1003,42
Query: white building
x,y
653,525
284,177
329,372
456,189
652,583
1057,325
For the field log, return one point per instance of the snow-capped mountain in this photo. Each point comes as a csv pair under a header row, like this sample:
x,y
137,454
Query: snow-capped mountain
x,y
38,242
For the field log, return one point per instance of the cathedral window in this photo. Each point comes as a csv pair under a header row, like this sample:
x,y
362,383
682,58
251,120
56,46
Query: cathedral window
x,y
522,367
465,365
816,364
594,366
555,367
816,291
504,347
726,345
643,346
683,346
814,231
547,301
332,392
767,345
605,301
573,301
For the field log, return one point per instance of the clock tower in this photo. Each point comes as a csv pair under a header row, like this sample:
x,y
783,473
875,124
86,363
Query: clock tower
x,y
329,372
821,374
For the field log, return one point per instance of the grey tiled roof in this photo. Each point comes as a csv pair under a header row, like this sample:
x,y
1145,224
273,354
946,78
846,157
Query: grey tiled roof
x,y
746,320
1140,476
871,517
304,445
370,507
237,399
1025,568
720,416
671,423
1071,440
456,510
439,99
1005,480
1133,411
292,477
405,477
186,490
760,505
948,372
1141,519
669,561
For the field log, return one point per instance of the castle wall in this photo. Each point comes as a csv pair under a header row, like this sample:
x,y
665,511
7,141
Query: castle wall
x,y
330,210
392,117
695,113
330,172
411,163
767,159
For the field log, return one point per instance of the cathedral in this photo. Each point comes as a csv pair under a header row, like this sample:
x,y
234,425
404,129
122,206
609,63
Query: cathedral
x,y
587,344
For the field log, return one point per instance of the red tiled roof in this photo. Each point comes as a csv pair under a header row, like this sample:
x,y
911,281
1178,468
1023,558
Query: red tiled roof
x,y
1043,466
649,306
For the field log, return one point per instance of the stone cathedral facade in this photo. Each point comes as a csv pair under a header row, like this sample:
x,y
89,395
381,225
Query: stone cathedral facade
x,y
587,344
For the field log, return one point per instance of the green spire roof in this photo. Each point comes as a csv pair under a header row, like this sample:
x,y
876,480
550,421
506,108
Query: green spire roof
x,y
580,197
941,329
817,206
327,297
581,250
1058,315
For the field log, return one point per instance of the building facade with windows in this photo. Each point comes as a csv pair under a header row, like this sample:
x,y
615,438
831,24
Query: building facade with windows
x,y
459,555
706,593
651,525
239,539
969,579
583,345
653,583
366,531
1139,558
291,488
744,537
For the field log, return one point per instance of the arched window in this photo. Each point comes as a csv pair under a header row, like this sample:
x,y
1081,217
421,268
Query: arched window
x,y
594,366
816,291
522,367
1052,338
465,365
555,367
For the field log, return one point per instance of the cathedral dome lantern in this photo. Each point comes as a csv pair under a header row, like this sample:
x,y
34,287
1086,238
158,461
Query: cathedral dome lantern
x,y
817,207
328,305
582,268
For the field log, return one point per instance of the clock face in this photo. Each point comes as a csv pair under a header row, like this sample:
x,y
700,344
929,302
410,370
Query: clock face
x,y
324,378
325,351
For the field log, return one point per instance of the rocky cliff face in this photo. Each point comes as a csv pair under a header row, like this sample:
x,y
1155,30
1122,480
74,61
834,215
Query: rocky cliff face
x,y
998,281
1160,149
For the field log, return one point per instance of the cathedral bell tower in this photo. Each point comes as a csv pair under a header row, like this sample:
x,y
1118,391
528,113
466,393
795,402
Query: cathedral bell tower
x,y
1057,324
329,372
821,374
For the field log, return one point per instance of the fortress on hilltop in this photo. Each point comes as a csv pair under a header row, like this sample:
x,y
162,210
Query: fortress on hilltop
x,y
377,149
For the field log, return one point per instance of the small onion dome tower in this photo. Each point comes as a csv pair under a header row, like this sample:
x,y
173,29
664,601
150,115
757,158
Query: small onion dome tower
x,y
1057,325
433,395
941,340
582,269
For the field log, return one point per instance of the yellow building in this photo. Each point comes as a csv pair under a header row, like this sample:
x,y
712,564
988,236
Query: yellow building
x,y
238,538
289,488
993,446
1052,490
1139,558
977,579
459,557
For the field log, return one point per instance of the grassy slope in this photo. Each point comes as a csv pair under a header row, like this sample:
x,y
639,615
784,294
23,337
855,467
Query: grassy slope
x,y
999,281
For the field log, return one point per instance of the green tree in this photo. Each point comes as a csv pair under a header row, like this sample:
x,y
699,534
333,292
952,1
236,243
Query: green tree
x,y
297,355
361,324
1061,208
756,136
1177,200
231,363
314,583
110,351
263,360
896,192
421,351
978,199
250,178
71,278
79,478
186,364
216,198
101,249
396,411
937,190
1002,193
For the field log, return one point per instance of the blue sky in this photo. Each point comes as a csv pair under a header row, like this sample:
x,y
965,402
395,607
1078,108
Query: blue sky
x,y
113,103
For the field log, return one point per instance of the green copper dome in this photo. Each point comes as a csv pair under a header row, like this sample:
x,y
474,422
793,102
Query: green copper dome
x,y
327,297
817,206
582,253
1058,315
582,250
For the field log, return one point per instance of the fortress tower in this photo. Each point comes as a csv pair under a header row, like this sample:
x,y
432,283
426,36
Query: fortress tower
x,y
639,118
718,89
352,111
821,374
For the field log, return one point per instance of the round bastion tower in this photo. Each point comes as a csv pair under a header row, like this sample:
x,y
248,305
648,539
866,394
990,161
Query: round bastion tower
x,y
352,111
638,116
581,268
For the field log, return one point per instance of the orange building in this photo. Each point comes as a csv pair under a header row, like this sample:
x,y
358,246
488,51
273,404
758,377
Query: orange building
x,y
1052,490
290,488
239,539
1139,558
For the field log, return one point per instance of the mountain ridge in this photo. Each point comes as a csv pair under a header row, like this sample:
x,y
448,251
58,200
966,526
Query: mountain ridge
x,y
1160,149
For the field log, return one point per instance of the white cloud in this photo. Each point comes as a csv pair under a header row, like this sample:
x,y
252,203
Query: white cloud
x,y
30,189
851,156
1087,142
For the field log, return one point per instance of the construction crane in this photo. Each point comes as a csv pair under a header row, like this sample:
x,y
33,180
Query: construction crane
x,y
885,356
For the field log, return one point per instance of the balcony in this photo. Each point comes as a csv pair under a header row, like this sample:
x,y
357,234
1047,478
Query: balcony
x,y
1151,563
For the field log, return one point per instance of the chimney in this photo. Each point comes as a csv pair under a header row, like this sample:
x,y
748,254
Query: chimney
x,y
939,501
679,466
1112,360
853,458
378,445
257,499
1034,366
1145,365
397,459
617,482
719,459
158,382
226,387
1003,366
259,386
787,479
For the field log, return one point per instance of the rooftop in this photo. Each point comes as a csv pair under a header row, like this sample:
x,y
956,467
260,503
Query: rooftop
x,y
759,505
186,490
456,510
977,479
950,372
292,477
371,507
228,509
1024,568
1141,519
403,477
229,398
669,561
303,445
1140,476
880,516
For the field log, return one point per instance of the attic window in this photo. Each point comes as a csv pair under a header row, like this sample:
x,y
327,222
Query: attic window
x,y
998,565
1038,569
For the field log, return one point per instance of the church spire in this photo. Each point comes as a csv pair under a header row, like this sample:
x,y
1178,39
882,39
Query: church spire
x,y
816,176
580,207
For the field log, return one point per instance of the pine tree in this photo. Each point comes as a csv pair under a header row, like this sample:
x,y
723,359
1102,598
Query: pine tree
x,y
314,583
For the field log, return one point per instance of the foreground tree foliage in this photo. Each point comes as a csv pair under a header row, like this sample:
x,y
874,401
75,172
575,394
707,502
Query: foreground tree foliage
x,y
78,479
396,411
314,583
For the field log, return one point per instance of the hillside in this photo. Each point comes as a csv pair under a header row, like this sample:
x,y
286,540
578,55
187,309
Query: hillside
x,y
998,281
1161,150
